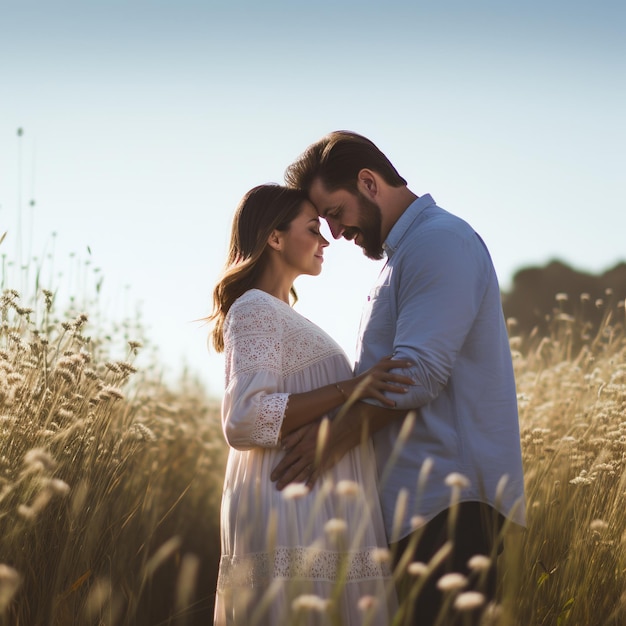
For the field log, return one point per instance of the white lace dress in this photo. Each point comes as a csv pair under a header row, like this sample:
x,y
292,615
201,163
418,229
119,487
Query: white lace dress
x,y
290,558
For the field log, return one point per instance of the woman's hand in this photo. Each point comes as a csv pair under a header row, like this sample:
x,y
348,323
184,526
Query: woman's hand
x,y
378,379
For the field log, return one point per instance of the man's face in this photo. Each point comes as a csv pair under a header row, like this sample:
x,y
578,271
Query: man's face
x,y
351,216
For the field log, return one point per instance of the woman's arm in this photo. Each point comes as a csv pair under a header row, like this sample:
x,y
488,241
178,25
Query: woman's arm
x,y
311,450
303,408
255,410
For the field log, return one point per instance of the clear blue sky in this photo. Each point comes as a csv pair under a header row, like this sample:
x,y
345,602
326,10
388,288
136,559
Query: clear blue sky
x,y
145,122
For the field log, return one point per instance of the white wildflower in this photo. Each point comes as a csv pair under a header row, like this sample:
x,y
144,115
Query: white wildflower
x,y
598,525
10,580
58,487
295,490
417,568
367,603
310,602
458,480
381,555
564,317
479,563
39,457
451,582
348,488
335,527
469,601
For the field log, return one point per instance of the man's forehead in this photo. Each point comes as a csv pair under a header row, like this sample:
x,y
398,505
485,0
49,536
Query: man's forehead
x,y
322,199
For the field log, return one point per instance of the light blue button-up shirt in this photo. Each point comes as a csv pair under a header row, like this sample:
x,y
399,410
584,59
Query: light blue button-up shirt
x,y
437,303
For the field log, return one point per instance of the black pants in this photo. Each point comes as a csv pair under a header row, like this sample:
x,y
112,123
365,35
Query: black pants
x,y
476,531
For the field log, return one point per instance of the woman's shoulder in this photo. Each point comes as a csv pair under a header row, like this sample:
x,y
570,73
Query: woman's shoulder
x,y
255,299
254,309
250,297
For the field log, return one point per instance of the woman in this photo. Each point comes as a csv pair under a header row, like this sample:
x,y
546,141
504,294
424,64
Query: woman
x,y
296,556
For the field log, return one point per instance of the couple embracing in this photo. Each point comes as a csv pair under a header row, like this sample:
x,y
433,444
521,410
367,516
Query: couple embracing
x,y
365,494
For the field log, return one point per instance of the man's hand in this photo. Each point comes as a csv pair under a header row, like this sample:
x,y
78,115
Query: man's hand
x,y
316,447
299,463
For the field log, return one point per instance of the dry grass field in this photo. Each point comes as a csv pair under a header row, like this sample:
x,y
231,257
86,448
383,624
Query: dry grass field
x,y
570,565
110,481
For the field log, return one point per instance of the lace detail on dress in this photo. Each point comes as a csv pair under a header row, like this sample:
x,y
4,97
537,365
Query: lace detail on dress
x,y
252,353
305,344
257,570
269,419
263,333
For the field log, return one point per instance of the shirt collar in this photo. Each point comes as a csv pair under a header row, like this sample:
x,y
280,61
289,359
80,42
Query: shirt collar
x,y
404,223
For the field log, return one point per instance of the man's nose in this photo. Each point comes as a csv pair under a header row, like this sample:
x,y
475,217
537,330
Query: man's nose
x,y
336,229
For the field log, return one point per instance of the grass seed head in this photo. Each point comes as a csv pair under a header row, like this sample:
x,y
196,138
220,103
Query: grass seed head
x,y
451,582
335,527
10,581
417,568
479,563
310,602
469,601
295,491
457,480
39,457
348,488
367,604
381,555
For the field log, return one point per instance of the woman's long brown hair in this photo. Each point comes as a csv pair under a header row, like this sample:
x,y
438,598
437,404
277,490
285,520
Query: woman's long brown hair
x,y
261,211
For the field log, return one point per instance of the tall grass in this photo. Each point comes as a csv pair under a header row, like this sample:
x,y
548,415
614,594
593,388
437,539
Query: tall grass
x,y
110,481
570,565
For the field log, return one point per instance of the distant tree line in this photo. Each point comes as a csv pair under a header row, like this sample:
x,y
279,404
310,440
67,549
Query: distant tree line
x,y
539,296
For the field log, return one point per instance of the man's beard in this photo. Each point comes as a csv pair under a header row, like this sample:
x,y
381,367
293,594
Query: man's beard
x,y
369,229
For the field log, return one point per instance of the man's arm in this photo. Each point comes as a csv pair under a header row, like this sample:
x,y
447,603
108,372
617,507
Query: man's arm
x,y
315,448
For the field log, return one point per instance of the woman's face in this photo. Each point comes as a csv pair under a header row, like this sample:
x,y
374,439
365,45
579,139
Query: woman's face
x,y
302,244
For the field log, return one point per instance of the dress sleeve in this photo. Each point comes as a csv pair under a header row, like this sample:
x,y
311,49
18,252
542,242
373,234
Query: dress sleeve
x,y
254,403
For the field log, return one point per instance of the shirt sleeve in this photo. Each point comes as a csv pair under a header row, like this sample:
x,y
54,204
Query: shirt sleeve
x,y
253,407
440,286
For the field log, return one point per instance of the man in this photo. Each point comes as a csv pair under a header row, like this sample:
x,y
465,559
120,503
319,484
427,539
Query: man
x,y
437,304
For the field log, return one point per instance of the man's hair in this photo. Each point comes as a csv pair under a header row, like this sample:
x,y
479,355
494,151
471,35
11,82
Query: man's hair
x,y
336,160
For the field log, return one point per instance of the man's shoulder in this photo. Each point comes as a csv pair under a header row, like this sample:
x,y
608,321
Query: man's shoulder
x,y
439,224
436,217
